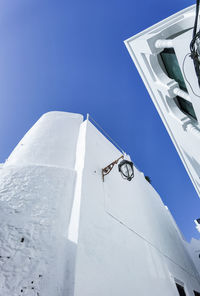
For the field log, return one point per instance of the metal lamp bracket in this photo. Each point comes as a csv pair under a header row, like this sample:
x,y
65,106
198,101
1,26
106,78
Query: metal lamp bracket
x,y
108,168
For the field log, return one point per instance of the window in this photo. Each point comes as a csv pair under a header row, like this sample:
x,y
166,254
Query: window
x,y
185,106
172,68
196,293
180,290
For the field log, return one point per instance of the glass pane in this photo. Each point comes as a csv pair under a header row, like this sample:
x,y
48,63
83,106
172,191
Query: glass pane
x,y
171,64
129,170
124,169
186,107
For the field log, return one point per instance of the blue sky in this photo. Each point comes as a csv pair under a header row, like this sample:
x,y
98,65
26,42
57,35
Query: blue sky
x,y
69,56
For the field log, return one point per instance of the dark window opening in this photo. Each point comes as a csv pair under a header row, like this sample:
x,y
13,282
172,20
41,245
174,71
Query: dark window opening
x,y
180,290
172,68
185,106
196,293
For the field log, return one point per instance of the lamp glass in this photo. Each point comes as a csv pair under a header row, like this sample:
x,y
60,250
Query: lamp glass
x,y
126,169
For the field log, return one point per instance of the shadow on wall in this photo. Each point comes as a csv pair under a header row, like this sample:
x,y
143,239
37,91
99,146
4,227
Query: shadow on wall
x,y
71,249
194,163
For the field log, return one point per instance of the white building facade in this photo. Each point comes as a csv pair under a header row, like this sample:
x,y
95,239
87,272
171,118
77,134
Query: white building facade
x,y
161,54
65,232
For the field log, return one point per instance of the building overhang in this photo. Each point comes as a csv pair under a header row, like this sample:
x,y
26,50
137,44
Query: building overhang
x,y
178,106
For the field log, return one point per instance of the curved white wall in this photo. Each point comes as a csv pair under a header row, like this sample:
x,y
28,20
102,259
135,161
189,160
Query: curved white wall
x,y
36,195
51,141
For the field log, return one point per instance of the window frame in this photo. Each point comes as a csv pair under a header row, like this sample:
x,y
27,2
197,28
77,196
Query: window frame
x,y
179,101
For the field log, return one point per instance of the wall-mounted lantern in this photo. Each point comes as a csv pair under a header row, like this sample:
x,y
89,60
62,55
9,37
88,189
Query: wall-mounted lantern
x,y
126,169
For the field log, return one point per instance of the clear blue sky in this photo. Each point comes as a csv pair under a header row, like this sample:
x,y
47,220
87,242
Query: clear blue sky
x,y
69,56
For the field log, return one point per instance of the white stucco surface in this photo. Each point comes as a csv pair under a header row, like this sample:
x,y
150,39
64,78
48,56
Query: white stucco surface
x,y
65,232
194,250
49,142
128,244
36,196
79,165
182,128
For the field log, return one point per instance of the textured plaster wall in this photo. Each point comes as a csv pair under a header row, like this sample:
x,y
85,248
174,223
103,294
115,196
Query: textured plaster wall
x,y
194,250
36,194
128,244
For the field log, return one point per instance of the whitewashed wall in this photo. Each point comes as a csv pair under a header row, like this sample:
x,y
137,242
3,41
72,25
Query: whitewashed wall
x,y
36,194
194,250
183,130
128,244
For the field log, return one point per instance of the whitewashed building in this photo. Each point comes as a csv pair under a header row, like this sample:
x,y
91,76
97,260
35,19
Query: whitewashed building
x,y
66,232
162,56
